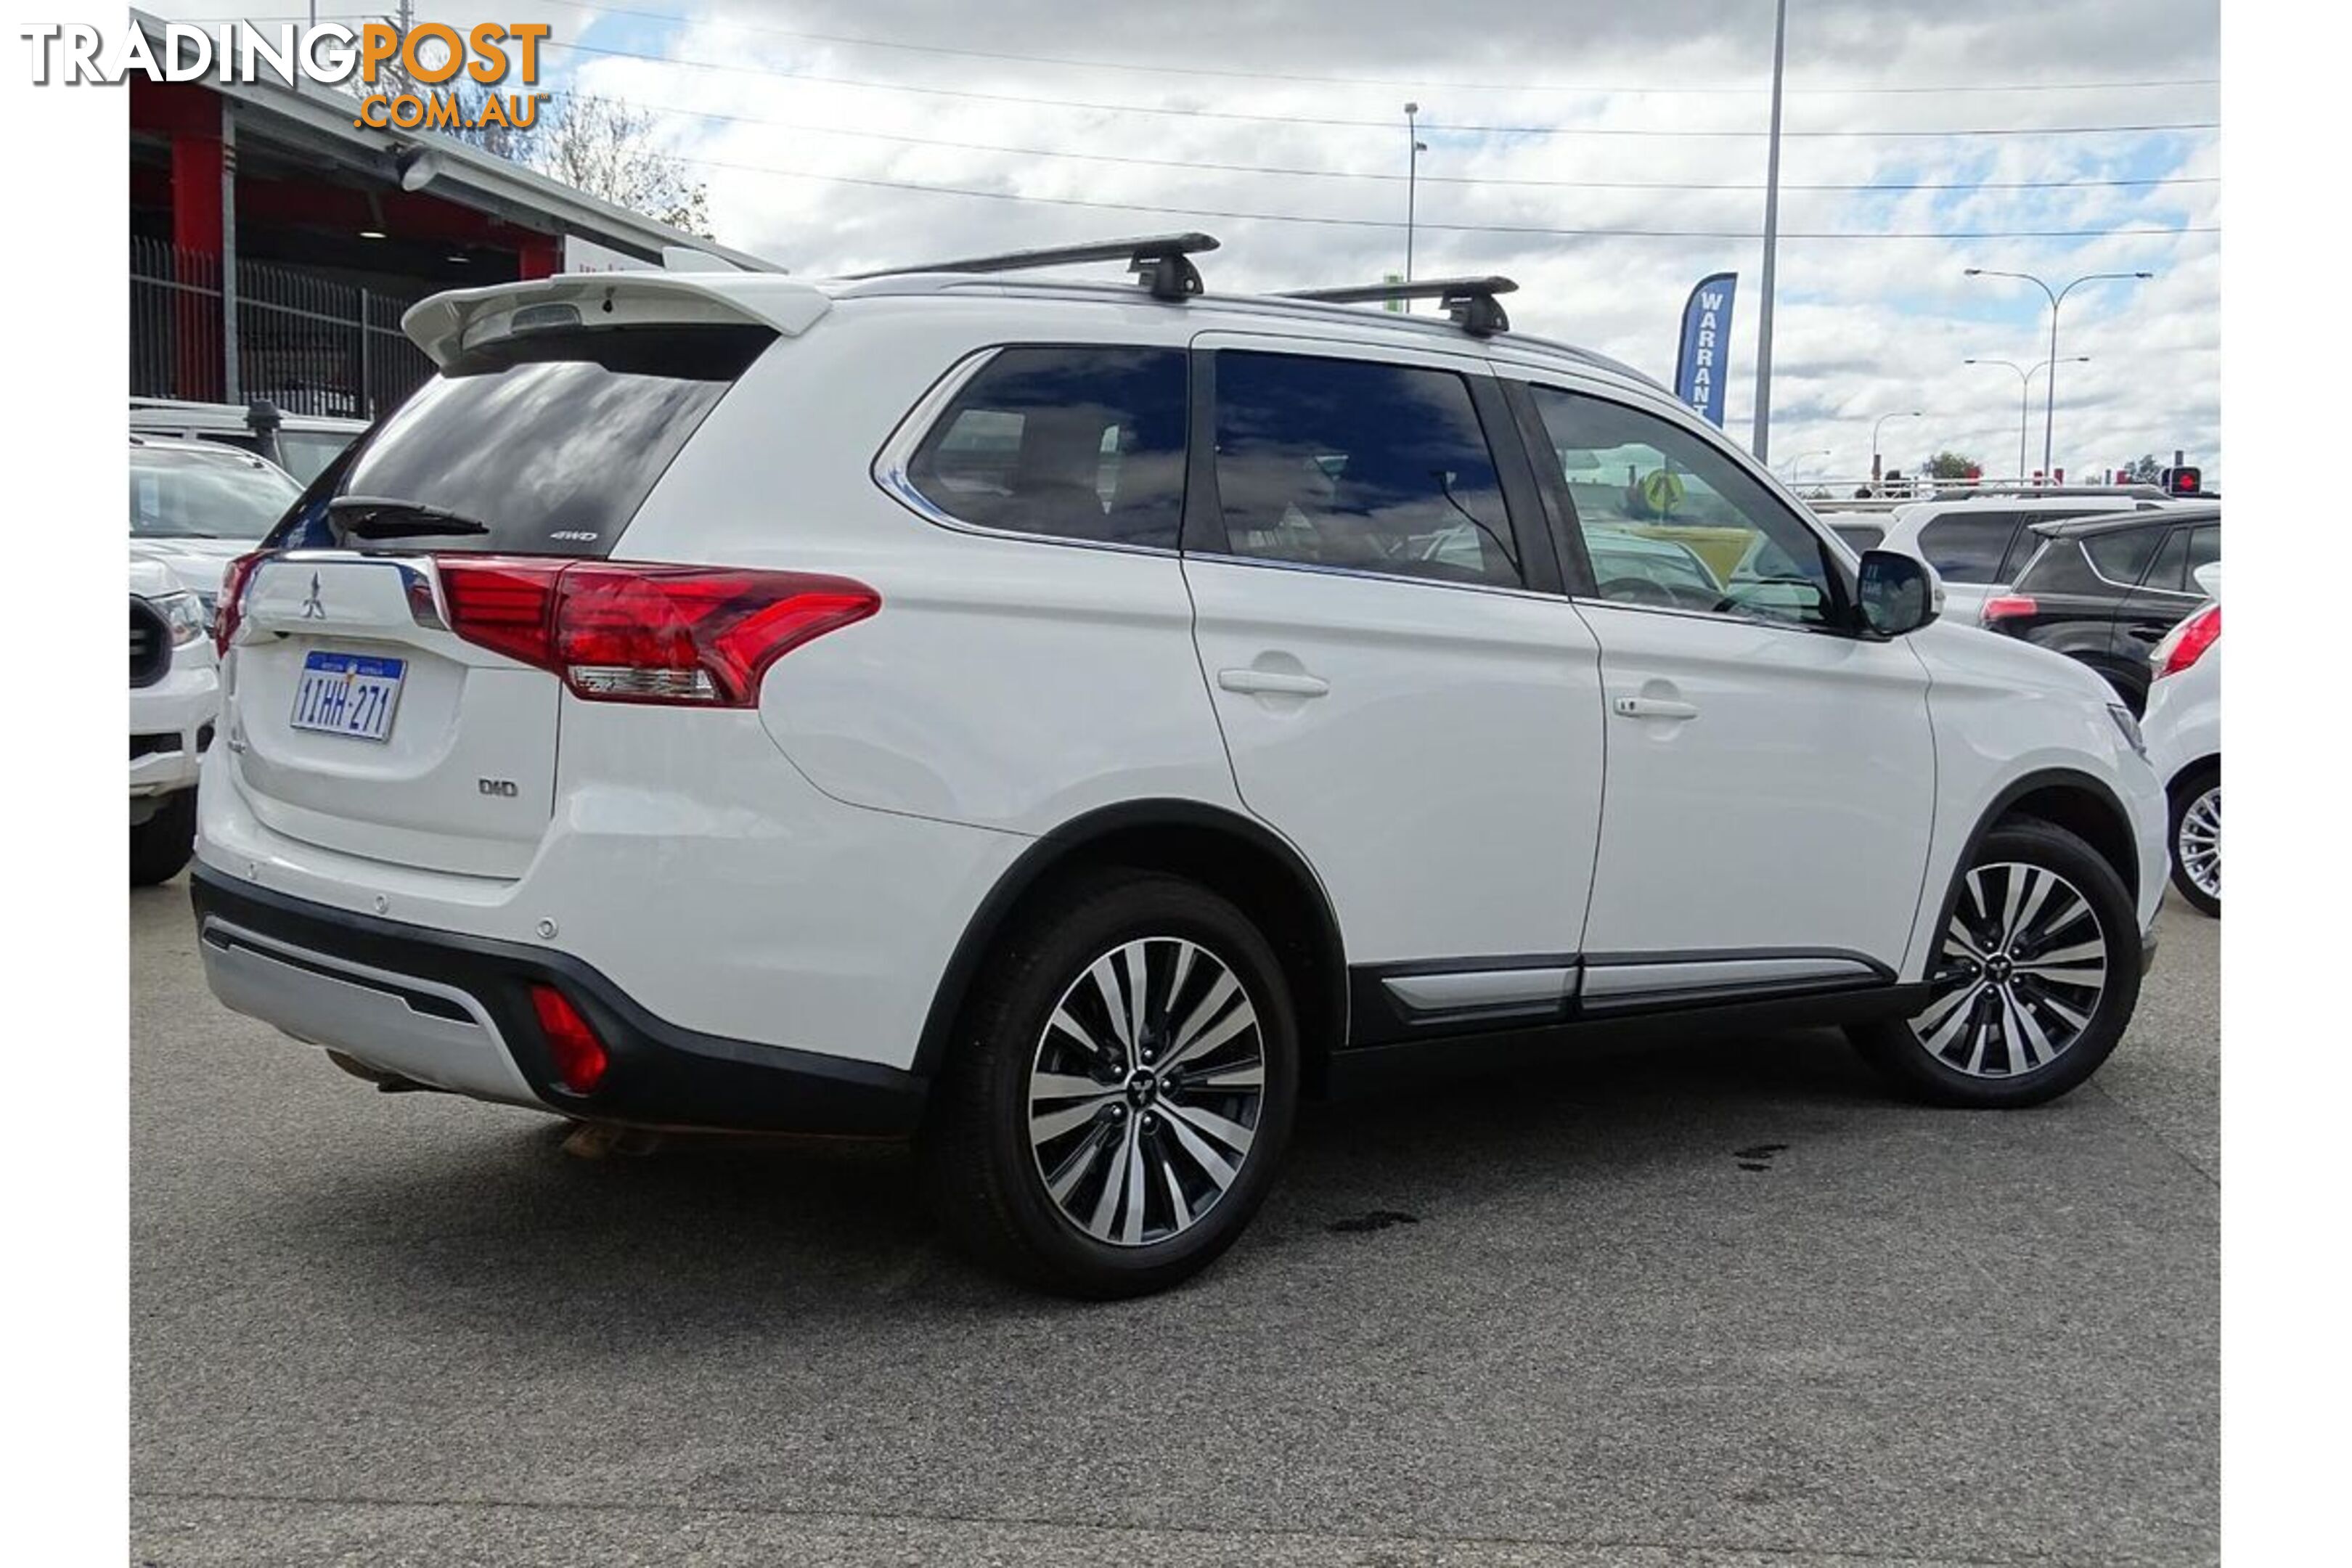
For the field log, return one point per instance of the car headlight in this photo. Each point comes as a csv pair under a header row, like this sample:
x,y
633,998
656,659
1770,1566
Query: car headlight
x,y
2130,726
184,613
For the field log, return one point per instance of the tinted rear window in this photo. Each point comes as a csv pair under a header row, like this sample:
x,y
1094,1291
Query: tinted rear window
x,y
2123,555
1968,549
1861,535
1075,443
554,438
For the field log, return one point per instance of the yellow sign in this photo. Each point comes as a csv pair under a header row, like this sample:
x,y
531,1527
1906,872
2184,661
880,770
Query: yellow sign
x,y
1661,491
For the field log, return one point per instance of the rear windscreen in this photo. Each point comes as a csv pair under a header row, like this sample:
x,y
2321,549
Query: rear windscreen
x,y
551,440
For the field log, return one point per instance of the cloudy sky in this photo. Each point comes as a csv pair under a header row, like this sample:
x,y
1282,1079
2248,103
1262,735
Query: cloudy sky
x,y
1605,155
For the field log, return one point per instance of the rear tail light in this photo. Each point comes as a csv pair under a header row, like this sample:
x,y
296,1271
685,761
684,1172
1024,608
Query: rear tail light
x,y
578,1055
618,631
2007,607
2185,644
229,609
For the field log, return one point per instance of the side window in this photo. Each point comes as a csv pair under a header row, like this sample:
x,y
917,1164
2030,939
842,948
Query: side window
x,y
1969,547
1076,443
1667,520
1338,462
2169,570
2123,555
2204,549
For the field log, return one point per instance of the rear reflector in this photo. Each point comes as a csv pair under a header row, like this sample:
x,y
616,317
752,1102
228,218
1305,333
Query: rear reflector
x,y
618,631
578,1055
2185,644
2008,606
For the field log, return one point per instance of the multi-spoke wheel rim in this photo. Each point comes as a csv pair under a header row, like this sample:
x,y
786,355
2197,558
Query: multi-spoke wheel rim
x,y
2198,843
2019,975
1145,1090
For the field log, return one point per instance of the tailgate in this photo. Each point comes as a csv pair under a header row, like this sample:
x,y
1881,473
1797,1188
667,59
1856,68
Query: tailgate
x,y
339,645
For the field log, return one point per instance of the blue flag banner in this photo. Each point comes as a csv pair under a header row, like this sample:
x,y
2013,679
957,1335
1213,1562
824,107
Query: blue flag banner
x,y
1707,338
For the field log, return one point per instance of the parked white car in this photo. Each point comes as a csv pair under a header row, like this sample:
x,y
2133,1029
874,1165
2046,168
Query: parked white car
x,y
301,444
195,507
1067,722
174,700
2183,725
1979,544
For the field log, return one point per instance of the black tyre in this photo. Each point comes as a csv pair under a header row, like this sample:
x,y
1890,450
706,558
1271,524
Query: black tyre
x,y
2035,978
2129,682
162,844
2196,837
1119,1090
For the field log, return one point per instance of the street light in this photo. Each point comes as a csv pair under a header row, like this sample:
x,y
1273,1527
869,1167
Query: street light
x,y
1802,458
1905,414
2057,298
2025,395
1412,179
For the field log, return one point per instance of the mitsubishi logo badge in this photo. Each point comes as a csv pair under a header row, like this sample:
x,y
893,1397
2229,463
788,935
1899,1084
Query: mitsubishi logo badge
x,y
313,609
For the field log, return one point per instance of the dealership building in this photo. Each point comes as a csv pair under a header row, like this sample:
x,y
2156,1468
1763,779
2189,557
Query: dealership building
x,y
274,241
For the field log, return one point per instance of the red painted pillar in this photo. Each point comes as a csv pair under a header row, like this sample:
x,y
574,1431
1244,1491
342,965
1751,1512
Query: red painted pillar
x,y
196,230
539,256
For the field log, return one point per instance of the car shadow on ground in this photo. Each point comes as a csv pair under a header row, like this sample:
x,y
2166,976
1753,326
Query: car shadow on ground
x,y
699,1231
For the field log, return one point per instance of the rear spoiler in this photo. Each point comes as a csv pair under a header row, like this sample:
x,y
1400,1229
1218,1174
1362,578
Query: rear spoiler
x,y
448,324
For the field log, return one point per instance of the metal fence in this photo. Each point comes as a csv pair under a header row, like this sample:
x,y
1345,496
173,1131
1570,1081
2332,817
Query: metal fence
x,y
308,345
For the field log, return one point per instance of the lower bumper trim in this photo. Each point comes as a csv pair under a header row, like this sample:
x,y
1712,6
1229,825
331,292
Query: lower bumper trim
x,y
302,960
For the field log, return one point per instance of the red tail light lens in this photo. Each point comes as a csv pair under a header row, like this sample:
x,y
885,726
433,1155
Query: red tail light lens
x,y
229,609
2009,606
618,631
578,1055
2185,644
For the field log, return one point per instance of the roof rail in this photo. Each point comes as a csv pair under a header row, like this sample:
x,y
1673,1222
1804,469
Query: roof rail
x,y
1469,300
1161,261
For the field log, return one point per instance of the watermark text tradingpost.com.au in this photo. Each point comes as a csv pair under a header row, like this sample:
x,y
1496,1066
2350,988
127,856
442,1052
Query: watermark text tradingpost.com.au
x,y
434,77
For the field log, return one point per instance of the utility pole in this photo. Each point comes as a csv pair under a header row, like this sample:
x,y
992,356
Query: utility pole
x,y
1762,443
1415,147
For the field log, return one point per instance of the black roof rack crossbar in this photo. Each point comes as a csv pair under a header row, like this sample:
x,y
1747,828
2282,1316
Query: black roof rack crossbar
x,y
1469,300
1162,261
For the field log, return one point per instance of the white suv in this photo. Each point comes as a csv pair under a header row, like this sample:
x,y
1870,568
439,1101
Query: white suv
x,y
1067,722
174,700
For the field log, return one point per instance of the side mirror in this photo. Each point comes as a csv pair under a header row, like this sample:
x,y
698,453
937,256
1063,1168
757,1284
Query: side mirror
x,y
1899,594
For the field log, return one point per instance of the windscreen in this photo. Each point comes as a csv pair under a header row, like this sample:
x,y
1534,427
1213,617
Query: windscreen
x,y
550,440
199,495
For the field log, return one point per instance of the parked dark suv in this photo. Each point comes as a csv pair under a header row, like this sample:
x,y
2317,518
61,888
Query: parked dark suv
x,y
2104,590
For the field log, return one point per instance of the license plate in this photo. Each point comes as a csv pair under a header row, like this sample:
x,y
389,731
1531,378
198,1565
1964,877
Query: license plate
x,y
348,694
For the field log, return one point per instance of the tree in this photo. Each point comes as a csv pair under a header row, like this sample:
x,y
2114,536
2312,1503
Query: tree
x,y
2143,469
608,148
1952,465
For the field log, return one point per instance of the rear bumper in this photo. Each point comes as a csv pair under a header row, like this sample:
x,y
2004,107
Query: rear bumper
x,y
455,1013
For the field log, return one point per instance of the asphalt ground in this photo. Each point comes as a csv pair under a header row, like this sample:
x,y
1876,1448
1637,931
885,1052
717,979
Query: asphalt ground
x,y
1723,1302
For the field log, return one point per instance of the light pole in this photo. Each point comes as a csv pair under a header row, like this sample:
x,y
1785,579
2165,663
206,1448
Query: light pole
x,y
1416,148
1875,429
2025,395
1797,463
1761,442
2057,298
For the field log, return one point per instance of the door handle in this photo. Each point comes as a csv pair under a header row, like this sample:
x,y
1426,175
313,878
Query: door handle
x,y
1272,683
1652,708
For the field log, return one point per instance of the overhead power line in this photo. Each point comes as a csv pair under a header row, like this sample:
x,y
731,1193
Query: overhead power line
x,y
1296,173
1602,233
1417,83
1193,113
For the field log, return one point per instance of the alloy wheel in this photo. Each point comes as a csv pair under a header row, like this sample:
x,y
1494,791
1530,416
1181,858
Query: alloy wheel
x,y
2019,975
1145,1090
2198,843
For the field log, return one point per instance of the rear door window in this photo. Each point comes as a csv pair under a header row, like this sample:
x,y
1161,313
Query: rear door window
x,y
1082,443
552,439
1351,463
2121,556
1967,547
